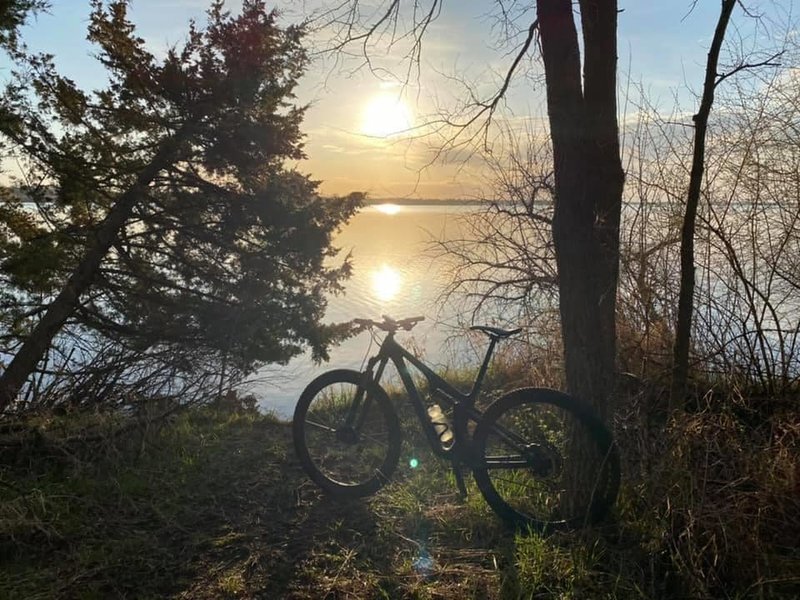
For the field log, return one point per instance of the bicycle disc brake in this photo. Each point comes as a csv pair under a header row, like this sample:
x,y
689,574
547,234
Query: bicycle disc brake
x,y
545,460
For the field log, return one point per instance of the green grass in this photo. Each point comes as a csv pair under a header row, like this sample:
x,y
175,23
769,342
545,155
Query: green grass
x,y
214,505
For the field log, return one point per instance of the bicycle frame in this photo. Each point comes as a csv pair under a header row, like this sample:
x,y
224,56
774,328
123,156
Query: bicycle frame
x,y
351,451
463,405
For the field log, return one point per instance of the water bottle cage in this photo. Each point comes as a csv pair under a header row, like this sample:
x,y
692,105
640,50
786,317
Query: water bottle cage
x,y
442,428
441,424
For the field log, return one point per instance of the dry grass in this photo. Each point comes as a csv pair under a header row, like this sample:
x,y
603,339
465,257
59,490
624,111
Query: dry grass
x,y
214,505
715,494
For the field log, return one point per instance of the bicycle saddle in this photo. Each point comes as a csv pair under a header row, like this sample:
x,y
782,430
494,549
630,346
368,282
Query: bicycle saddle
x,y
495,331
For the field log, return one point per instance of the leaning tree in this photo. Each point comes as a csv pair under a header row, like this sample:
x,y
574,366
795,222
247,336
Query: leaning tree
x,y
158,213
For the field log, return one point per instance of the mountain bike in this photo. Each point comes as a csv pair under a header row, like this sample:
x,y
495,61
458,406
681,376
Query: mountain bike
x,y
540,458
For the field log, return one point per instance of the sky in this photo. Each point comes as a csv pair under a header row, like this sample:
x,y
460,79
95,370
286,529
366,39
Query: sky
x,y
366,131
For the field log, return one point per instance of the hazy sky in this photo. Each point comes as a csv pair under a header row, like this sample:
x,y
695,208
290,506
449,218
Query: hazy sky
x,y
662,47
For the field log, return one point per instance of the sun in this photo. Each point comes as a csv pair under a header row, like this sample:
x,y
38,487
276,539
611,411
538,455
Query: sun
x,y
385,115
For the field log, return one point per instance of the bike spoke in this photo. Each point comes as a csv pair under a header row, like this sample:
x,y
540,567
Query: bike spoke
x,y
543,462
320,426
380,441
347,438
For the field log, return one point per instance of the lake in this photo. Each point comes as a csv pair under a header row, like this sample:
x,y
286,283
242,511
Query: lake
x,y
394,273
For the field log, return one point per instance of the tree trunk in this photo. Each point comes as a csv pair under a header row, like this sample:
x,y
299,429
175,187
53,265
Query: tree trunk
x,y
34,347
588,188
588,203
680,368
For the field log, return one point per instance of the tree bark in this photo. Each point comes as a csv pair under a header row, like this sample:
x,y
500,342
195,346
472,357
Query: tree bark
x,y
34,347
588,188
680,368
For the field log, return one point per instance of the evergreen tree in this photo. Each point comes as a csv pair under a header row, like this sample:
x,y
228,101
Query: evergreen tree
x,y
168,221
13,14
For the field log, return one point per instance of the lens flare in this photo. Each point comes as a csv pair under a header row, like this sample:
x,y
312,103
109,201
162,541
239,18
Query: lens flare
x,y
424,564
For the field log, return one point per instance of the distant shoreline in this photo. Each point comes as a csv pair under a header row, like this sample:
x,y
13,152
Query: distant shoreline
x,y
422,202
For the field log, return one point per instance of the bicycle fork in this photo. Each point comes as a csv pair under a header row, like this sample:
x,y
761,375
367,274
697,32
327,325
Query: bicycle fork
x,y
358,410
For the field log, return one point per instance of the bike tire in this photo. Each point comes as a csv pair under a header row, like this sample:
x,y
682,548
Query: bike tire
x,y
535,486
343,462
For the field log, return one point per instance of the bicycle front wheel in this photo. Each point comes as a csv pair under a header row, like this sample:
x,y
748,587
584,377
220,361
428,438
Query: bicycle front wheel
x,y
545,461
346,436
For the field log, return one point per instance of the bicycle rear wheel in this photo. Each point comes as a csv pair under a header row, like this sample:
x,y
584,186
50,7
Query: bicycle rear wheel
x,y
546,461
346,436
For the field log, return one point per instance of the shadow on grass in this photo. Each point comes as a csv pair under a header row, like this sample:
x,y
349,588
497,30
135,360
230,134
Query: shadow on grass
x,y
216,506
212,506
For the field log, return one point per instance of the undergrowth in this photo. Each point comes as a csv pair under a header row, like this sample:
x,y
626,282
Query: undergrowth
x,y
212,504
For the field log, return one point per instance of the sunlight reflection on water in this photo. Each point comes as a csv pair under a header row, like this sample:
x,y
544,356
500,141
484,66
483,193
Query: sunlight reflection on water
x,y
388,209
393,275
386,282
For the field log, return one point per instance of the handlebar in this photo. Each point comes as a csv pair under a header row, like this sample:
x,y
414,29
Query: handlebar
x,y
389,324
